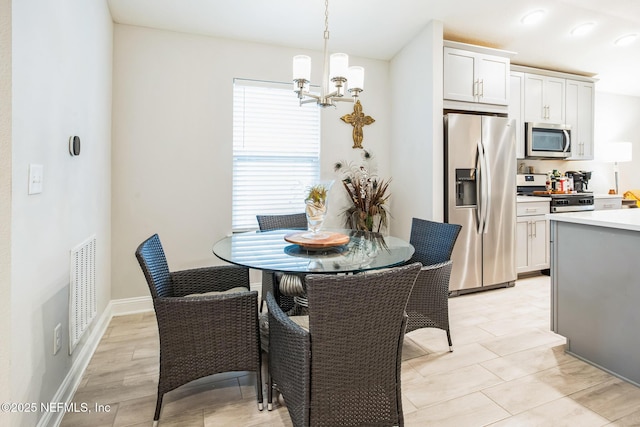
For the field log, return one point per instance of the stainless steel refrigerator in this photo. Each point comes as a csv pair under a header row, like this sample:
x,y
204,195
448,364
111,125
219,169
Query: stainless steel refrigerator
x,y
480,195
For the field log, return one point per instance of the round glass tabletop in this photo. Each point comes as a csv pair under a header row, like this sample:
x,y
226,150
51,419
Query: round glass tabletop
x,y
268,250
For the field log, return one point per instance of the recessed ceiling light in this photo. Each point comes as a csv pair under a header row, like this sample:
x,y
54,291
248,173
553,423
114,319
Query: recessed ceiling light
x,y
625,40
532,17
583,29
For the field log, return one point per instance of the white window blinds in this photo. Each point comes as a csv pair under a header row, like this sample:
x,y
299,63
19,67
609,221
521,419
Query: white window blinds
x,y
276,151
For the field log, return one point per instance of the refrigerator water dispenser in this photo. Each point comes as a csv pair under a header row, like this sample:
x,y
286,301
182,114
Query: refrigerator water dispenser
x,y
466,187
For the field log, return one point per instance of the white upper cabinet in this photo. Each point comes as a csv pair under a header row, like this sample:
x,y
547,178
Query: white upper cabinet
x,y
579,115
545,96
460,82
493,79
544,99
475,77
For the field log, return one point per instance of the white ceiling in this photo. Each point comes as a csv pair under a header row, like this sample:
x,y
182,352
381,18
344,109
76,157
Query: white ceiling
x,y
380,28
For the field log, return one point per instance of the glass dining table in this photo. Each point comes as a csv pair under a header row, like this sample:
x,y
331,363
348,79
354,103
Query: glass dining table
x,y
268,250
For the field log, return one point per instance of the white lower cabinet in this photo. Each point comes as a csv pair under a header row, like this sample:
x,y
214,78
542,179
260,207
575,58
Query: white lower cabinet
x,y
532,237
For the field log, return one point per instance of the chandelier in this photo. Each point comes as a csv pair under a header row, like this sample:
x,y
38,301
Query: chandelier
x,y
335,71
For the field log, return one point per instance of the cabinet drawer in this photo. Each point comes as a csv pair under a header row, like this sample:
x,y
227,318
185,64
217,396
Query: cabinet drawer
x,y
532,208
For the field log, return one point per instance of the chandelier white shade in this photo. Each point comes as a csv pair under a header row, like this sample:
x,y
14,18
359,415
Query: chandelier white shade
x,y
336,72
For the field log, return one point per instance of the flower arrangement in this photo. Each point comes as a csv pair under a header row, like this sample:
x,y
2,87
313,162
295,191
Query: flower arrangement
x,y
317,194
367,192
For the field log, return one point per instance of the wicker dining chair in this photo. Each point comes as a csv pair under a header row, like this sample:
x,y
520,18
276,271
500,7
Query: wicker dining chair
x,y
344,368
271,278
428,305
207,321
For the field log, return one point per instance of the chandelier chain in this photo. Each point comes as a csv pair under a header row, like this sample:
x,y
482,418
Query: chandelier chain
x,y
326,19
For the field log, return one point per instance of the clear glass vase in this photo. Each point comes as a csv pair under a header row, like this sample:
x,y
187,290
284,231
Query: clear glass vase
x,y
316,205
316,213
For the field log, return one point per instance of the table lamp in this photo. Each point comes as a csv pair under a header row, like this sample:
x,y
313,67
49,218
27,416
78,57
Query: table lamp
x,y
616,152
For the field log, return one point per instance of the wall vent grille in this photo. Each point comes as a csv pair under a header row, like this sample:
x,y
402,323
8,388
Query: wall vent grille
x,y
82,290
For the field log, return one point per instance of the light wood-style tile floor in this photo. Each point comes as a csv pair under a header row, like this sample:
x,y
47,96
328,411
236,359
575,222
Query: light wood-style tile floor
x,y
507,369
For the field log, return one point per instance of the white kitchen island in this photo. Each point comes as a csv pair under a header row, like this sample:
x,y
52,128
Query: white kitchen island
x,y
595,287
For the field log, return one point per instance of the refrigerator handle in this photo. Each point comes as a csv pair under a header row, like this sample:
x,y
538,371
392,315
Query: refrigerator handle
x,y
486,192
479,188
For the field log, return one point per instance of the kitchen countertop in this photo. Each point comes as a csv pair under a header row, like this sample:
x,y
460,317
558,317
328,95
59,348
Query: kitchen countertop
x,y
624,219
607,196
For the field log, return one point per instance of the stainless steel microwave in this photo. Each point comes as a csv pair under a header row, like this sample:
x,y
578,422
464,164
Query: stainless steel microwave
x,y
547,141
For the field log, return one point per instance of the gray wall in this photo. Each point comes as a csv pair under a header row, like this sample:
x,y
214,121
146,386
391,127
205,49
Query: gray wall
x,y
5,206
62,62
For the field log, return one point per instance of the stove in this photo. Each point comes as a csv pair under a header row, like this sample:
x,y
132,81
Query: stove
x,y
535,185
574,202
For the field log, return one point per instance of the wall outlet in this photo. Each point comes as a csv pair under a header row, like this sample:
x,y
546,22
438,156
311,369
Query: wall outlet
x,y
57,338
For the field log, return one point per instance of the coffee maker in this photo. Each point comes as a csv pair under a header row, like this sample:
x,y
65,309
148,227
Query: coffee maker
x,y
580,180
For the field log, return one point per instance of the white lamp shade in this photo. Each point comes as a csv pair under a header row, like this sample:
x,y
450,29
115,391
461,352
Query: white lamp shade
x,y
355,78
338,65
616,152
302,67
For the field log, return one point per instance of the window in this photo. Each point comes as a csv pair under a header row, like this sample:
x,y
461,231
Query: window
x,y
276,151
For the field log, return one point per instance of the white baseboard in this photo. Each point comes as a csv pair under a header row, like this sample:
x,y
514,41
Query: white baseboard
x,y
73,378
121,307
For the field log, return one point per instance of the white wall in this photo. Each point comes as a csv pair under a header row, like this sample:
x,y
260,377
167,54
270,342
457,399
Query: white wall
x,y
416,145
172,140
616,119
62,62
5,207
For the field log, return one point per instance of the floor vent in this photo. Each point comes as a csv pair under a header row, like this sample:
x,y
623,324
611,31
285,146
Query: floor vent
x,y
82,290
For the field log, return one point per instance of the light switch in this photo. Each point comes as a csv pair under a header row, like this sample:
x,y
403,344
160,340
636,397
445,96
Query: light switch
x,y
36,173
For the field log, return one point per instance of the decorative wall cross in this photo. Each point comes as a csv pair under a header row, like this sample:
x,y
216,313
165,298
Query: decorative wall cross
x,y
357,119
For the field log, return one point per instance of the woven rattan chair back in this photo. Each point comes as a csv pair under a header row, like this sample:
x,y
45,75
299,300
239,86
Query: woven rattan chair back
x,y
154,265
433,241
269,279
278,222
356,328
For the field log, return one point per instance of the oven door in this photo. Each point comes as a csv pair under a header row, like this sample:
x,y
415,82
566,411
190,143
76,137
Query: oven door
x,y
547,141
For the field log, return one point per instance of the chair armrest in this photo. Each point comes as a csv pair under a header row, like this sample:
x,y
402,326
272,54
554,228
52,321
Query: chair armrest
x,y
433,280
429,297
284,323
289,357
222,323
209,279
